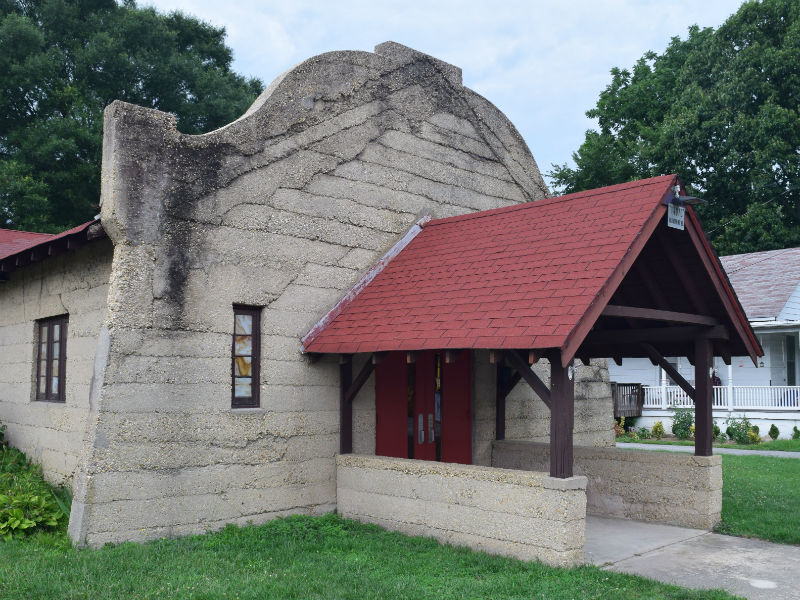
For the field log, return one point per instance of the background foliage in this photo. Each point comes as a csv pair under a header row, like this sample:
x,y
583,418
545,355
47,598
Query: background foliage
x,y
63,62
720,109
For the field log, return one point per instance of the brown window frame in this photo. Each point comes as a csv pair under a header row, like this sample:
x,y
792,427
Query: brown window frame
x,y
254,401
48,325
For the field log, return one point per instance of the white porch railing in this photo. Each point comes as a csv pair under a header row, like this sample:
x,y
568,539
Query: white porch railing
x,y
737,397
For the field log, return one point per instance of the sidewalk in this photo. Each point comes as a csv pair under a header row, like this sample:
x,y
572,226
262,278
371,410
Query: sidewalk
x,y
690,449
694,558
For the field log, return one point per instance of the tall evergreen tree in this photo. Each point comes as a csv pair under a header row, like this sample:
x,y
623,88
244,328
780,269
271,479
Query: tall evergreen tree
x,y
63,61
720,109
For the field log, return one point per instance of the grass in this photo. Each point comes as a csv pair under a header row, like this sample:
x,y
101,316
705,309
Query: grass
x,y
300,557
760,498
782,445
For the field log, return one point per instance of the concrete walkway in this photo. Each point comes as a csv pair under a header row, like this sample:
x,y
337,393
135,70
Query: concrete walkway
x,y
695,558
671,448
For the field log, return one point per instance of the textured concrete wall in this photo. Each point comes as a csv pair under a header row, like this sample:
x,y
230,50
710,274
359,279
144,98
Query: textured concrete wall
x,y
513,513
75,283
528,418
677,489
284,208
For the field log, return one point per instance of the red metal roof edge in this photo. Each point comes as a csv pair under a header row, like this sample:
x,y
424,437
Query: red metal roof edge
x,y
578,334
53,244
371,273
750,338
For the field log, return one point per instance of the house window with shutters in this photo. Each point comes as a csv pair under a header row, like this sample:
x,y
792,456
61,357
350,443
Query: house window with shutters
x,y
51,360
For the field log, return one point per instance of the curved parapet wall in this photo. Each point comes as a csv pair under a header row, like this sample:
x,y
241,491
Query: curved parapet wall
x,y
282,209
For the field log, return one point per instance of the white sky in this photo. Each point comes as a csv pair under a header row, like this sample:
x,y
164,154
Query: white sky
x,y
542,62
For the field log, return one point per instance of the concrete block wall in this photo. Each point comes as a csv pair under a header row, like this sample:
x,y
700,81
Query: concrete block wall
x,y
662,487
76,284
525,515
284,209
528,418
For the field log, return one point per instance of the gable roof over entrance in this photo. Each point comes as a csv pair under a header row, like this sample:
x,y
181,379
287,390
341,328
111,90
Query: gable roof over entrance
x,y
531,276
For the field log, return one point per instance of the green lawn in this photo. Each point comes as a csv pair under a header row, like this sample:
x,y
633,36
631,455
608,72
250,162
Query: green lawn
x,y
783,445
300,557
761,497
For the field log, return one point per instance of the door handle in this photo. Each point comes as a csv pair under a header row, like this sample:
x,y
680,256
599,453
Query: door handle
x,y
420,430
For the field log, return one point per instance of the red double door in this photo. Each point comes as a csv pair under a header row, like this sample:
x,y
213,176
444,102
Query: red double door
x,y
424,409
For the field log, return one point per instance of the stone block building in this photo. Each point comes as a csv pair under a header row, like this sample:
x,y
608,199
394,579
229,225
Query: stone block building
x,y
157,359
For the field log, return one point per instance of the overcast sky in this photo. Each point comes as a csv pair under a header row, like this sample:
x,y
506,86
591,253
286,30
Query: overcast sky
x,y
542,62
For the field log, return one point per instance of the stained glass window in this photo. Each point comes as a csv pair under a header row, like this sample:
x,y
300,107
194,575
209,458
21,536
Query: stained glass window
x,y
51,359
246,352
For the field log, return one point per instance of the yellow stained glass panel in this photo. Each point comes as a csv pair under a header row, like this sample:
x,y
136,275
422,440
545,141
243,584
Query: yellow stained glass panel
x,y
243,366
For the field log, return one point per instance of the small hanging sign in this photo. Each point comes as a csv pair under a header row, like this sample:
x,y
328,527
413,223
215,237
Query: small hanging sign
x,y
675,216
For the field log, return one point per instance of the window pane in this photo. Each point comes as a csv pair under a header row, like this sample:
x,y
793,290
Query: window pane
x,y
243,366
42,383
43,351
242,387
56,348
56,332
243,345
54,386
43,329
244,324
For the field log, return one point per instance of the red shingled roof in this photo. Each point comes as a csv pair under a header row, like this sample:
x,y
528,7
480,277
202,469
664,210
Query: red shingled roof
x,y
517,277
12,241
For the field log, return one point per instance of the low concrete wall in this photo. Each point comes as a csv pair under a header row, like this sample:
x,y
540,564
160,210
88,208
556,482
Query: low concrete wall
x,y
524,515
677,489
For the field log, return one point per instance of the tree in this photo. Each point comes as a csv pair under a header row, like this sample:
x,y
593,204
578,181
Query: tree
x,y
720,109
62,62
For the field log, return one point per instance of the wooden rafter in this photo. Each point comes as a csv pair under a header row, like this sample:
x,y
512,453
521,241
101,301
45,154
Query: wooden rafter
x,y
522,367
633,312
656,334
656,358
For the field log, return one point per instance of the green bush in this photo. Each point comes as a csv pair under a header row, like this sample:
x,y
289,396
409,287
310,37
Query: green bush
x,y
27,502
753,437
715,432
795,433
739,429
644,433
755,428
774,432
658,430
682,422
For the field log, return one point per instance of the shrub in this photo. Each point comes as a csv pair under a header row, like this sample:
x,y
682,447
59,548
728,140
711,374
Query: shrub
x,y
795,433
27,502
755,428
619,428
715,432
3,436
658,430
753,437
691,430
774,432
739,429
721,438
682,422
644,433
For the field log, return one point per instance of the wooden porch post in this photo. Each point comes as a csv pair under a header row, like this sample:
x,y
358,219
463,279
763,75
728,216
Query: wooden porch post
x,y
562,417
345,407
500,404
704,393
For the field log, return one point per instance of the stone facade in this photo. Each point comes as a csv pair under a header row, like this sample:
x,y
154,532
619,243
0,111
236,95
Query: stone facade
x,y
51,433
662,487
526,515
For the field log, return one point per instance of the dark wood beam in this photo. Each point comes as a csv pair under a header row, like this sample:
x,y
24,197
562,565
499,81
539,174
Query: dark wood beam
x,y
655,334
617,360
378,357
314,357
725,352
512,383
360,380
651,314
345,407
703,400
562,418
495,356
534,357
499,404
522,367
687,283
653,288
411,357
656,358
